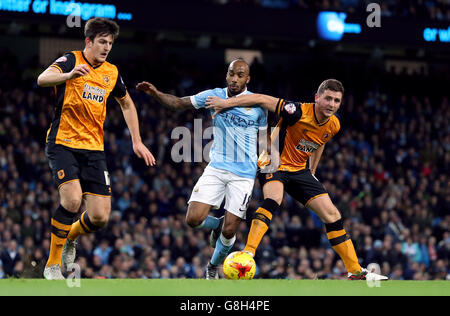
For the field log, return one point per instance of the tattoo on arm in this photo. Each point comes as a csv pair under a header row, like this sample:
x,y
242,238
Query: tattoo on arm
x,y
172,102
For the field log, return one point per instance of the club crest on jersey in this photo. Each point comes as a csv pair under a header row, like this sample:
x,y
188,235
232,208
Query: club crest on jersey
x,y
326,136
107,79
290,108
94,93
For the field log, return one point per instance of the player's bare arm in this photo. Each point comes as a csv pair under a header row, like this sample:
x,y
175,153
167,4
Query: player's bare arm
x,y
53,77
167,100
315,158
266,101
131,118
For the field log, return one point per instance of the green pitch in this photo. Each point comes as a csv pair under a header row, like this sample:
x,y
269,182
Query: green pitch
x,y
188,287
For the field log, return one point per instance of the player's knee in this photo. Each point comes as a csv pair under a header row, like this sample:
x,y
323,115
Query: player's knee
x,y
274,191
192,221
100,217
332,215
196,214
278,198
72,203
228,231
99,220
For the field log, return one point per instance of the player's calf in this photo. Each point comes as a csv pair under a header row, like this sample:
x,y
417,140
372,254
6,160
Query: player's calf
x,y
324,208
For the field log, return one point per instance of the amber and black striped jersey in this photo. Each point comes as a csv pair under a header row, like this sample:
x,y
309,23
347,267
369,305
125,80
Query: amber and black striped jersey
x,y
300,133
81,103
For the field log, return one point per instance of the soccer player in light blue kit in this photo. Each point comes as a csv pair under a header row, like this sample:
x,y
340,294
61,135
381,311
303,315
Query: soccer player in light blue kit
x,y
232,169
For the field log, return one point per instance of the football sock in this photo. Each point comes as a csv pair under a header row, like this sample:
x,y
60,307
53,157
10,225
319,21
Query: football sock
x,y
343,245
210,222
61,224
260,224
223,246
83,226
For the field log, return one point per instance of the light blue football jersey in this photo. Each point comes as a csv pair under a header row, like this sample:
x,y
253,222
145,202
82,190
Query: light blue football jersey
x,y
235,134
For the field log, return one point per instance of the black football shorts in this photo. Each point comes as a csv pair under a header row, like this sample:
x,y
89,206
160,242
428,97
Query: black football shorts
x,y
87,166
301,185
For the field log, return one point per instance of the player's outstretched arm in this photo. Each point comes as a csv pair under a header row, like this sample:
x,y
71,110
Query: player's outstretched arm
x,y
131,118
266,101
53,77
167,100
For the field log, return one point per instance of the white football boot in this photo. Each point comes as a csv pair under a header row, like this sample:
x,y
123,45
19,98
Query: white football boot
x,y
367,275
212,272
53,273
68,253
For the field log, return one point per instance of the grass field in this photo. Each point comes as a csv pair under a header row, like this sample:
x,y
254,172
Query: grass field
x,y
189,287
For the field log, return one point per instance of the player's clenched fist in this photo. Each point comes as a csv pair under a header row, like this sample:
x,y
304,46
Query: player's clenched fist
x,y
78,71
147,88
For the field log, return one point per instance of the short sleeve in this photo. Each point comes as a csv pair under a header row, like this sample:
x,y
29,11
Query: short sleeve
x,y
120,90
65,63
198,100
263,120
291,112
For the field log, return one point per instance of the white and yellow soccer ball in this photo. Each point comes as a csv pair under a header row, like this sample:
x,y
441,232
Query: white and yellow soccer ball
x,y
239,265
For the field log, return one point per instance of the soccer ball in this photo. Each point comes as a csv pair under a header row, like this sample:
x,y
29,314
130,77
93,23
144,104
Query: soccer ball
x,y
239,265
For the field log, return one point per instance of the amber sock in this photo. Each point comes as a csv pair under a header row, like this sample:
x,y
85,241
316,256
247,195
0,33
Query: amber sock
x,y
260,224
343,245
83,226
61,224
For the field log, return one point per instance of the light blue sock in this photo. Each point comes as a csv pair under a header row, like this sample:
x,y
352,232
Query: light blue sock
x,y
210,222
223,246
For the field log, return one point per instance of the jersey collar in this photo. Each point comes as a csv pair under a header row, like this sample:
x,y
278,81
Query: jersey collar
x,y
242,93
315,117
85,59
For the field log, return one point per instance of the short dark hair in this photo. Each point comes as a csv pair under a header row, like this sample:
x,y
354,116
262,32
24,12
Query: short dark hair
x,y
330,84
100,26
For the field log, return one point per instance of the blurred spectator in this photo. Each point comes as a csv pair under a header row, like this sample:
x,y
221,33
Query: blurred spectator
x,y
102,252
10,257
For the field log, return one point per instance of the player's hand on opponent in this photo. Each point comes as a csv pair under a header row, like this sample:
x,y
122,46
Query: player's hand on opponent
x,y
147,87
216,103
142,152
79,71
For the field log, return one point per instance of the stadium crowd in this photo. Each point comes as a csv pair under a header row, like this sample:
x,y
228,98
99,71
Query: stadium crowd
x,y
387,171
